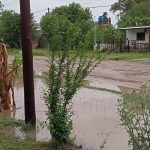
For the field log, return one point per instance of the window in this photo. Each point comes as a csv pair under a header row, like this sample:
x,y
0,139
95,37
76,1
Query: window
x,y
141,36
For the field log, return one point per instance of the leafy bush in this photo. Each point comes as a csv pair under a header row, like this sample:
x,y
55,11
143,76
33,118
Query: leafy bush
x,y
65,77
134,111
71,22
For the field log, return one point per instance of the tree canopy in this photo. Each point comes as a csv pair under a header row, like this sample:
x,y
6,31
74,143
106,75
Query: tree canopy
x,y
10,28
125,5
68,24
138,15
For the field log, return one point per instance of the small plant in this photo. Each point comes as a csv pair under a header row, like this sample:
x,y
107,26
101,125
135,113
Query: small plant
x,y
66,76
7,76
134,110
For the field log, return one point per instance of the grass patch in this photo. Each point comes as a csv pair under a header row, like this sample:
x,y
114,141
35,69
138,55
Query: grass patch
x,y
12,143
128,56
36,52
89,53
8,140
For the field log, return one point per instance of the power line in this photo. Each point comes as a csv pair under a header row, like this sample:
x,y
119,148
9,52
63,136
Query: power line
x,y
99,6
10,3
38,11
84,7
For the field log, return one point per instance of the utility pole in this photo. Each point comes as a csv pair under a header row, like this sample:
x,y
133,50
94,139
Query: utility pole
x,y
26,34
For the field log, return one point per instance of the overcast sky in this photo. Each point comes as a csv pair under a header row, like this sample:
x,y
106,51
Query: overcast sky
x,y
37,5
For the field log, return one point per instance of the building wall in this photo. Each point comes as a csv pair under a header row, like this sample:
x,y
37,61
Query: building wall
x,y
132,35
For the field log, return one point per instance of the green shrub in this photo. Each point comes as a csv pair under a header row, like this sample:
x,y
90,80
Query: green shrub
x,y
66,75
134,110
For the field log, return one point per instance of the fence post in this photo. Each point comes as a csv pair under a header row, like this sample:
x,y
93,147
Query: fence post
x,y
128,46
121,46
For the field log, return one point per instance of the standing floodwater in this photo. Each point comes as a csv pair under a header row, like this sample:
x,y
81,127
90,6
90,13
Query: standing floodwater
x,y
95,117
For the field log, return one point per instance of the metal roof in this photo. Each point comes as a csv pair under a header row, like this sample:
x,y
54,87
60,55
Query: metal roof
x,y
136,27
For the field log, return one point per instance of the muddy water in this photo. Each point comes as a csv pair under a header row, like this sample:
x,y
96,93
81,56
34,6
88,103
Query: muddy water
x,y
95,119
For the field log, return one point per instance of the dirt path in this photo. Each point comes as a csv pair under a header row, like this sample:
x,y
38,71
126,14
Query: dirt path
x,y
119,73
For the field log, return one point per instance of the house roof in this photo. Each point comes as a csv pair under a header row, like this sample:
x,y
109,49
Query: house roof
x,y
136,27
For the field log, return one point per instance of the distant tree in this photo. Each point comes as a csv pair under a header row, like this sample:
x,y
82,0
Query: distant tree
x,y
125,5
10,28
74,12
140,10
89,39
138,15
108,34
73,21
57,29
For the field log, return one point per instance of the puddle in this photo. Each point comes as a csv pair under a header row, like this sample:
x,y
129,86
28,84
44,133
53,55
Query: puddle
x,y
95,117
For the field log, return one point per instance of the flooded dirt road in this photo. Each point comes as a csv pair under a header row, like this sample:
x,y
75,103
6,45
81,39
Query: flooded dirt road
x,y
96,117
111,74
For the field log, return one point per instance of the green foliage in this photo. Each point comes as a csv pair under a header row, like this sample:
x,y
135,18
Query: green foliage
x,y
6,122
108,34
57,30
134,111
125,5
89,39
10,28
65,77
139,15
74,12
70,23
17,62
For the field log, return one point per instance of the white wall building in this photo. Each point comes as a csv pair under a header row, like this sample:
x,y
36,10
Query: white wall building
x,y
138,37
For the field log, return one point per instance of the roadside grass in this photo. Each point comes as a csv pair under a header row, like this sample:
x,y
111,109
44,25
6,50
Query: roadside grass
x,y
89,53
8,140
12,143
36,52
129,56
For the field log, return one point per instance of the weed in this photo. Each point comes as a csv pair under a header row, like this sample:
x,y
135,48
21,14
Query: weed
x,y
134,110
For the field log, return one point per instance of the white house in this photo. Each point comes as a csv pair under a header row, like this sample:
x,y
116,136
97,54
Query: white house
x,y
138,38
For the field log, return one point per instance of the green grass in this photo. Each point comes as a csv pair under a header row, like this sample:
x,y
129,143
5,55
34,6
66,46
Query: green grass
x,y
112,56
128,56
12,143
36,52
8,140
